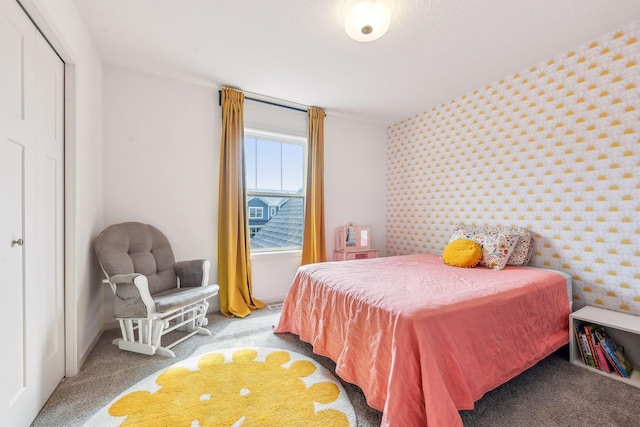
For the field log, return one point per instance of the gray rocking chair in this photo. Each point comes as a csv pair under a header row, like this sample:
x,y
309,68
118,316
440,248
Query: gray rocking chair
x,y
153,295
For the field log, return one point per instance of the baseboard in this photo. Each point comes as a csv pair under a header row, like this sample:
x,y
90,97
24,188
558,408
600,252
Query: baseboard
x,y
214,305
85,354
271,300
111,324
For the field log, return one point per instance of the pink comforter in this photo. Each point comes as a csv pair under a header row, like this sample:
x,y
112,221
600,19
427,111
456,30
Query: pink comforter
x,y
423,339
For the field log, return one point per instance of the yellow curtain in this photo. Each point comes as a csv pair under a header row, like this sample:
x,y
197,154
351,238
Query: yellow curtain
x,y
313,246
234,262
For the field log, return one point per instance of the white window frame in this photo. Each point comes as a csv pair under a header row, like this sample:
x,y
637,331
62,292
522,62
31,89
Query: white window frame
x,y
287,138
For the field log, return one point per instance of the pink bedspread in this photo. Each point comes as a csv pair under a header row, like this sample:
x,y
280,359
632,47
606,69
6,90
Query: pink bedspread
x,y
423,339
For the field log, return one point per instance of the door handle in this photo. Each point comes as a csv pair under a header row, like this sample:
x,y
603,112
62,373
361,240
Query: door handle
x,y
18,242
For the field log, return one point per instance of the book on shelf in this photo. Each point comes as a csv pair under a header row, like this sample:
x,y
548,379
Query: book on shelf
x,y
588,331
604,363
588,356
613,353
579,345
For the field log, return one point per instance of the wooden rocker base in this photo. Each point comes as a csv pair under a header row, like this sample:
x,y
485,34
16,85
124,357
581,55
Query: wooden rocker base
x,y
150,349
144,335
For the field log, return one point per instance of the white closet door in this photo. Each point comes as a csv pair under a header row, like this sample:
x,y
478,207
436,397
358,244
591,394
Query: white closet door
x,y
31,217
47,290
15,155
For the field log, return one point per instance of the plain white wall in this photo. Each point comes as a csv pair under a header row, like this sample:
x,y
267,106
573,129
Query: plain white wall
x,y
355,179
60,22
161,150
161,166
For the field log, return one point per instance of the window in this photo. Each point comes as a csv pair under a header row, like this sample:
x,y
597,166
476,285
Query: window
x,y
253,231
274,175
255,212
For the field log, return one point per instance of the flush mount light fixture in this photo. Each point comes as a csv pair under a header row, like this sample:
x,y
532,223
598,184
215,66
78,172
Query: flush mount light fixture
x,y
367,20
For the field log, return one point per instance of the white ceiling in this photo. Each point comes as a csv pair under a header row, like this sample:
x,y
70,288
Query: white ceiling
x,y
297,50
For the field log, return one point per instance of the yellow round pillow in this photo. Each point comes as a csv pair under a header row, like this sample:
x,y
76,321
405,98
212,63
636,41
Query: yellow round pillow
x,y
462,253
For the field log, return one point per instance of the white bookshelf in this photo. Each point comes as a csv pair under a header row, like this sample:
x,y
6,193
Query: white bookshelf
x,y
623,328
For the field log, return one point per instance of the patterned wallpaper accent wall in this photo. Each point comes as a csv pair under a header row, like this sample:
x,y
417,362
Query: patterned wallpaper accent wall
x,y
554,148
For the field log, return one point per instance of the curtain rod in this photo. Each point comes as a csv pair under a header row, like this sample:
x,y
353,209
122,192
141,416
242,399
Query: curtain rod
x,y
275,104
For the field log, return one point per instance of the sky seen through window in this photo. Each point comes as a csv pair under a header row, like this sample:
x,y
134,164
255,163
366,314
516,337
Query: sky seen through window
x,y
273,166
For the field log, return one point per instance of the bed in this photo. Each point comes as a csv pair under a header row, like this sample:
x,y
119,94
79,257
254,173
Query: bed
x,y
423,339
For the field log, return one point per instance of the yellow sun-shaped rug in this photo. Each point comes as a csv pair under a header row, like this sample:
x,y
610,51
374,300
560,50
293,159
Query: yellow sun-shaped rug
x,y
236,387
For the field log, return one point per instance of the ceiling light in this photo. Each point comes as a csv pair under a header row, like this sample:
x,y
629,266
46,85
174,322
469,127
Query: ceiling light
x,y
367,20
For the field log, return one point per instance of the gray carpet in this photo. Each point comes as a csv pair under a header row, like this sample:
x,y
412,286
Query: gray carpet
x,y
552,393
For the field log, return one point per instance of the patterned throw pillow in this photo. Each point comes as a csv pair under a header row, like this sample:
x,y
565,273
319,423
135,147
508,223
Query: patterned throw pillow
x,y
524,249
496,249
463,231
515,241
462,253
